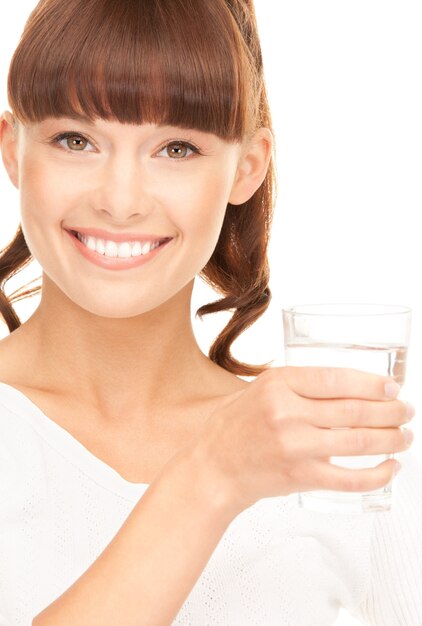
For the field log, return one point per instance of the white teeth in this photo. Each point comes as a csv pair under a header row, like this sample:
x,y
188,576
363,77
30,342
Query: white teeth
x,y
99,245
147,247
136,249
113,249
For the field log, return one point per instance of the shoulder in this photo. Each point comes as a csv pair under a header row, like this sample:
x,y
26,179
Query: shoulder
x,y
9,359
222,382
22,464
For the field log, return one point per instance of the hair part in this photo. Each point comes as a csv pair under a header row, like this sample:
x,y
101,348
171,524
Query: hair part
x,y
188,63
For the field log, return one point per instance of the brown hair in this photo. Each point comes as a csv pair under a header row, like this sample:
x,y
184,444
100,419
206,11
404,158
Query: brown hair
x,y
193,63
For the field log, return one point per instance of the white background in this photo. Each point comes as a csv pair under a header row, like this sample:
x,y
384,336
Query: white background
x,y
345,91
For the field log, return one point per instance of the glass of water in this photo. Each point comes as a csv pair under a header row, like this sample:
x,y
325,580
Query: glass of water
x,y
369,337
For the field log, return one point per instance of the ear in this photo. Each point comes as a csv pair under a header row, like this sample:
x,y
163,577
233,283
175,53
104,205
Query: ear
x,y
253,166
9,145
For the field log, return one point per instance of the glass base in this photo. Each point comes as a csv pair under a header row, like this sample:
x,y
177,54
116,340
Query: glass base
x,y
347,502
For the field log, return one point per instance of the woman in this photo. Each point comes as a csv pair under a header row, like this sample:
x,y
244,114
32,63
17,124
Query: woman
x,y
144,482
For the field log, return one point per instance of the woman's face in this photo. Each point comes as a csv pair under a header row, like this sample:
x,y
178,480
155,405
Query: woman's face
x,y
121,178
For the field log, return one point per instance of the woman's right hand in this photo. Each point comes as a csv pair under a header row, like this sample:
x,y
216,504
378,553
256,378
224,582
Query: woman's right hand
x,y
275,437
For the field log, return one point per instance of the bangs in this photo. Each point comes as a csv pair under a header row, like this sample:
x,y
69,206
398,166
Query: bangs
x,y
177,62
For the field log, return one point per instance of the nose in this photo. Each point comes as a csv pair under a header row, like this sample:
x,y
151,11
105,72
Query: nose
x,y
124,190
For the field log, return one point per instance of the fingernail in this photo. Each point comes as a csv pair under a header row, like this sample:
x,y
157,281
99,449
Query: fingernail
x,y
397,468
408,436
410,410
392,390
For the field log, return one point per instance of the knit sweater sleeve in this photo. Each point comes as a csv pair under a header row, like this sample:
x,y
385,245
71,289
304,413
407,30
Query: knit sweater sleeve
x,y
394,596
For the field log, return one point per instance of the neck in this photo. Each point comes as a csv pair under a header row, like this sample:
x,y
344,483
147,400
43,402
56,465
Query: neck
x,y
149,361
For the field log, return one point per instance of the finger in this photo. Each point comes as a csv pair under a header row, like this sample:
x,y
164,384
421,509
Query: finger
x,y
334,477
351,412
360,441
334,382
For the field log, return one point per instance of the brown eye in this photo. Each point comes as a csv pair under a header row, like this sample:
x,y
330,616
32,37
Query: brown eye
x,y
178,149
74,142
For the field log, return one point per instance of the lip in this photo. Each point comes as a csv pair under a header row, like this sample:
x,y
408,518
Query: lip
x,y
115,263
98,233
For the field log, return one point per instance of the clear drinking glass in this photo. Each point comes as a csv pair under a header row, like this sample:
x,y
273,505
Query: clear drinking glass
x,y
369,337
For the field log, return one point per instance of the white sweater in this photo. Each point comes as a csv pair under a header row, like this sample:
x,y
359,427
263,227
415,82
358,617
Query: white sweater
x,y
276,564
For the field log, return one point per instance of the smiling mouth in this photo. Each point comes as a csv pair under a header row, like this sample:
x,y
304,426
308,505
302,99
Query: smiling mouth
x,y
112,249
118,238
113,255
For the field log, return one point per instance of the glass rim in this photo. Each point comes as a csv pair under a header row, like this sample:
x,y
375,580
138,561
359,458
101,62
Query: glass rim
x,y
384,309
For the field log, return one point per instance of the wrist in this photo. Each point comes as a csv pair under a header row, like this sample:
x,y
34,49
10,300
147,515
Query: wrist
x,y
210,483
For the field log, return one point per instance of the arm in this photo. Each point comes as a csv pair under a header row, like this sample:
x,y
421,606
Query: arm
x,y
147,571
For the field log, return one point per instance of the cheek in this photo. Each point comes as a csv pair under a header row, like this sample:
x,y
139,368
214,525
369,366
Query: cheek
x,y
45,191
45,194
198,212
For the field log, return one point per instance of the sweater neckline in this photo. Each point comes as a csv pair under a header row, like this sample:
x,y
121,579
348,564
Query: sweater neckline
x,y
67,445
